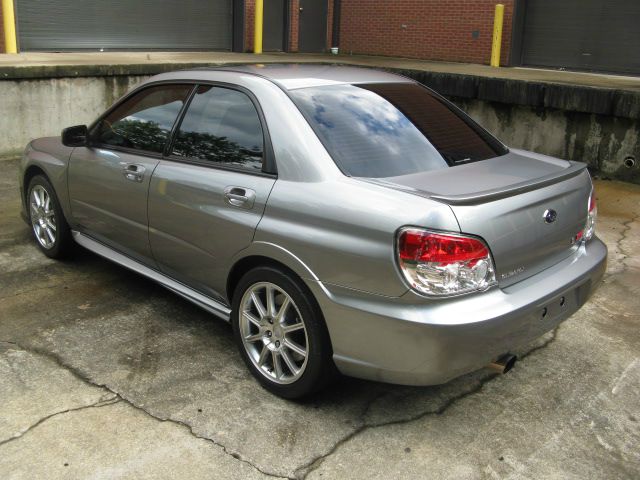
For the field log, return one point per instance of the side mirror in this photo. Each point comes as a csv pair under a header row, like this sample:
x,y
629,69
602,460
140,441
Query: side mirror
x,y
75,136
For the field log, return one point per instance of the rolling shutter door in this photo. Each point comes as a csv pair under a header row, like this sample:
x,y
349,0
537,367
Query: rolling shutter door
x,y
602,35
51,25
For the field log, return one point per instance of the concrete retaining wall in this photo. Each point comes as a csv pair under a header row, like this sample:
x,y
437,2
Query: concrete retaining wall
x,y
606,143
43,107
597,126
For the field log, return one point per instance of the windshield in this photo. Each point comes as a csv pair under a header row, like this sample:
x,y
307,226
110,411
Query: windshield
x,y
392,129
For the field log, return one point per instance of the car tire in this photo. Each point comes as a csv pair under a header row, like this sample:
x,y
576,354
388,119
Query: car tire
x,y
48,224
284,342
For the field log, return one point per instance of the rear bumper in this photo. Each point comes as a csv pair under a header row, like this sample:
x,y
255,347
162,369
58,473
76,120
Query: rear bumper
x,y
416,341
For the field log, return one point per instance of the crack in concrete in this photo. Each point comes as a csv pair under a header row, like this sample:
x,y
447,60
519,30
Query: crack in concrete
x,y
78,374
626,228
235,455
100,403
302,472
623,236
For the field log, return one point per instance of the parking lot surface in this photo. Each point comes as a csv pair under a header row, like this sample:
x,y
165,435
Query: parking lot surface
x,y
104,374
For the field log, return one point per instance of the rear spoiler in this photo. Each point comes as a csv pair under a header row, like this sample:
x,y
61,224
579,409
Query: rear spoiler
x,y
486,196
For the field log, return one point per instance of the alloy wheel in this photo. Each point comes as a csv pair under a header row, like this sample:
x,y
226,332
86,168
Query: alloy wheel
x,y
43,218
273,333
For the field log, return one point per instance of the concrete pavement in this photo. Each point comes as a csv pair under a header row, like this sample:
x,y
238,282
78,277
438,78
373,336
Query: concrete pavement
x,y
104,374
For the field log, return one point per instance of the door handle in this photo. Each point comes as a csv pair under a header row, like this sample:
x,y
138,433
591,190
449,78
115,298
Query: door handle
x,y
240,197
133,172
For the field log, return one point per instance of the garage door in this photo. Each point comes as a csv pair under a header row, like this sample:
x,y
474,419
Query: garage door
x,y
124,24
601,35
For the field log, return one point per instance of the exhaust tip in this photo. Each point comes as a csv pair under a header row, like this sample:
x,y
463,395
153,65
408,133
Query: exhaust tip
x,y
504,363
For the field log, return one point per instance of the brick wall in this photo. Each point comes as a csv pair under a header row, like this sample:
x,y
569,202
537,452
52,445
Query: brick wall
x,y
427,29
295,23
249,20
447,30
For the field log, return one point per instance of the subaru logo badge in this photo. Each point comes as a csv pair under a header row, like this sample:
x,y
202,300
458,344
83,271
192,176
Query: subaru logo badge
x,y
550,216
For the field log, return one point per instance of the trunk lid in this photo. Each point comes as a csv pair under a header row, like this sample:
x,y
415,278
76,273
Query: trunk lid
x,y
503,200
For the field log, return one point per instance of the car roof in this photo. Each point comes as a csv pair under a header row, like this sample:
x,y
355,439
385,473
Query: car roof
x,y
296,75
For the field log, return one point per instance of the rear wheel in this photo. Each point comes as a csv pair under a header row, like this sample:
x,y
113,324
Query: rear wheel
x,y
48,224
281,334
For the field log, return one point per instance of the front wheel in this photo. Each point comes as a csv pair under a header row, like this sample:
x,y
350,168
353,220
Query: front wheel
x,y
281,334
48,224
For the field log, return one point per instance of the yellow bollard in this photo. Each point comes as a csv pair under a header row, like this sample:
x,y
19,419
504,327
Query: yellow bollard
x,y
257,29
9,18
497,35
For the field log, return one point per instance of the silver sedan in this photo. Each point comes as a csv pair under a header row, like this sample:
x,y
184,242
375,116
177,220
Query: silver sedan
x,y
342,219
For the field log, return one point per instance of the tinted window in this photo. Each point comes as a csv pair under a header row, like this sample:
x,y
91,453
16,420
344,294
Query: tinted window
x,y
222,126
386,130
144,121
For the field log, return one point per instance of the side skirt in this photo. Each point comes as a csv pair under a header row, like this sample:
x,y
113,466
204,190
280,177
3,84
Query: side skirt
x,y
207,303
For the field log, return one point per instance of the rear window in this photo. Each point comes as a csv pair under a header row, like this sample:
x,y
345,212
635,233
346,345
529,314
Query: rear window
x,y
392,129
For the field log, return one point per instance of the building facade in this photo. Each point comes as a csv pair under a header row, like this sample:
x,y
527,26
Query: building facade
x,y
594,35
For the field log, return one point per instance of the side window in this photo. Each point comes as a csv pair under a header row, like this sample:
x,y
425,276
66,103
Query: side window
x,y
144,121
221,126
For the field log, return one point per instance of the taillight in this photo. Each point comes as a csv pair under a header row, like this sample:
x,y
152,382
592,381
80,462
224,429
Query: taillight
x,y
444,264
592,215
